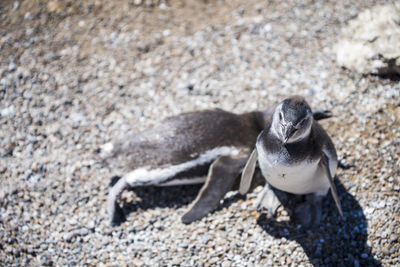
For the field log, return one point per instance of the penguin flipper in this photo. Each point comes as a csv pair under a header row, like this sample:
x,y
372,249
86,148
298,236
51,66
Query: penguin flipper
x,y
321,114
220,179
248,172
325,163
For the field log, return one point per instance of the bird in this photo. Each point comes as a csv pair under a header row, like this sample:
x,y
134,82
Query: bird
x,y
209,147
295,155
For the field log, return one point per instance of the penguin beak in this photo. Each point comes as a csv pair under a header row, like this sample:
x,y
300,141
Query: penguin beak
x,y
288,132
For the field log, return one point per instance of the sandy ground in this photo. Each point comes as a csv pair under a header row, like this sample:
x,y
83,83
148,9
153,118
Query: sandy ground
x,y
77,74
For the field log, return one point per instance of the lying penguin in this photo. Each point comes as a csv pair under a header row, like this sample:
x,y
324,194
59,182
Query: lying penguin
x,y
209,147
297,156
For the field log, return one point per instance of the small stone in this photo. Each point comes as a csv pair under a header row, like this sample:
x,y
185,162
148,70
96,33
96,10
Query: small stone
x,y
55,6
267,27
45,260
51,56
226,264
91,225
166,32
82,231
68,237
12,67
27,16
29,31
15,5
386,251
394,237
137,262
176,261
364,255
8,112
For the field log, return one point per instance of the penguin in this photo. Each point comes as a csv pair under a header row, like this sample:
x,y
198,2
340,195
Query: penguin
x,y
295,155
209,147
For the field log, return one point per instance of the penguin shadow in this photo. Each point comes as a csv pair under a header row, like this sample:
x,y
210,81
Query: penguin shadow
x,y
336,241
150,197
394,77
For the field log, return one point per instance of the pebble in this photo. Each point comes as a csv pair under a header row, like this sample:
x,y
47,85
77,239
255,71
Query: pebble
x,y
68,236
45,260
12,67
7,112
50,56
137,262
82,232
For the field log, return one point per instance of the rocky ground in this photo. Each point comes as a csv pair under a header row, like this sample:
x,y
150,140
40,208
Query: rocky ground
x,y
77,74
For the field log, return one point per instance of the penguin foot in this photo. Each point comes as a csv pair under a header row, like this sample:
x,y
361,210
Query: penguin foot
x,y
221,177
191,216
303,215
267,200
309,213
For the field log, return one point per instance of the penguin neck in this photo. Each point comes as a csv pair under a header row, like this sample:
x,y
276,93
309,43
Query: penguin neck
x,y
303,137
276,151
299,142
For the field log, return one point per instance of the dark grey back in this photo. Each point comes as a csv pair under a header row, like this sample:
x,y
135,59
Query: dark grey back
x,y
184,137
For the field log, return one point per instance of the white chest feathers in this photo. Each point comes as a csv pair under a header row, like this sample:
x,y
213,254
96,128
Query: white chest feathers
x,y
298,178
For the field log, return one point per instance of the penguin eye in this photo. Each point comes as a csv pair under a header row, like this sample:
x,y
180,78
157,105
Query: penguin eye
x,y
280,116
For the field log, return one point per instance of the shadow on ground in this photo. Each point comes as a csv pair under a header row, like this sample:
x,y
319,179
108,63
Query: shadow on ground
x,y
337,241
151,197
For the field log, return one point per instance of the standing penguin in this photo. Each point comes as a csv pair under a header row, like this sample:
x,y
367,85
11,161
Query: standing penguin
x,y
209,146
297,156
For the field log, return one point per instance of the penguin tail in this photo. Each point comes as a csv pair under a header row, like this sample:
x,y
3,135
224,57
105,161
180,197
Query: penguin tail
x,y
115,212
114,180
321,114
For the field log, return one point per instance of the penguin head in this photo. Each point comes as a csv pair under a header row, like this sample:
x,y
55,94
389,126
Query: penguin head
x,y
292,120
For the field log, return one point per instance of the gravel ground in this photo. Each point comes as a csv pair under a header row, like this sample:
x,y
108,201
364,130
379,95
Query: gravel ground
x,y
77,74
